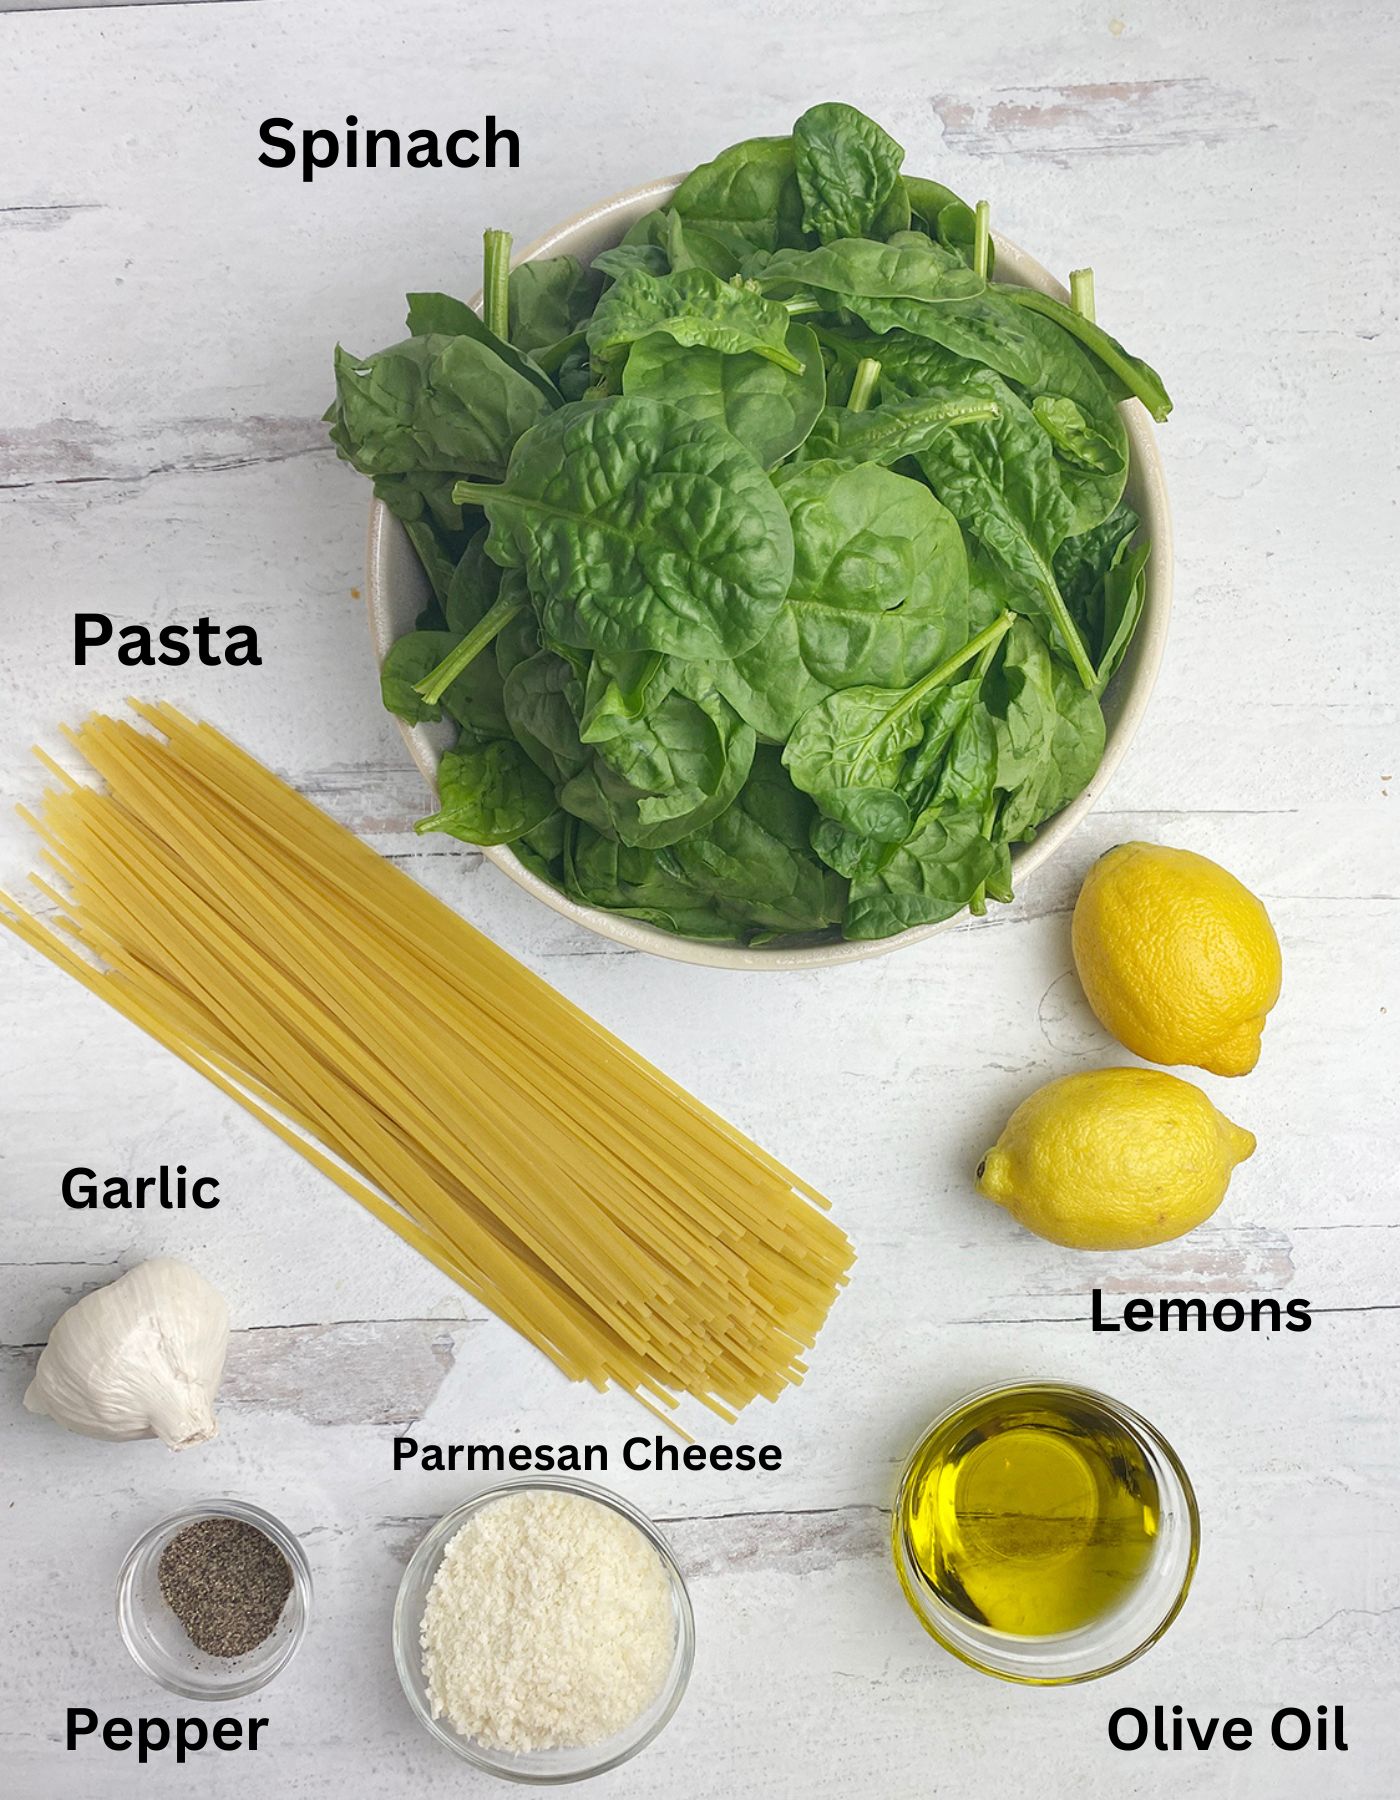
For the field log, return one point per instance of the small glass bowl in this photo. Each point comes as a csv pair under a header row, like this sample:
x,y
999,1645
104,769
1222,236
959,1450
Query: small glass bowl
x,y
543,1768
1105,1643
157,1640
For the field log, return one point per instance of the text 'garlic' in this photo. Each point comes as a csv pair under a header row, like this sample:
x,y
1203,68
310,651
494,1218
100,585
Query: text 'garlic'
x,y
140,1358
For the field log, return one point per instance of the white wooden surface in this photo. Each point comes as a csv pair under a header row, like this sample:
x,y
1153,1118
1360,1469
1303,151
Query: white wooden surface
x,y
167,308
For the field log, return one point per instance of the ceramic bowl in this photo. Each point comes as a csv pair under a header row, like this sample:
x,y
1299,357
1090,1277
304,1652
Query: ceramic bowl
x,y
397,590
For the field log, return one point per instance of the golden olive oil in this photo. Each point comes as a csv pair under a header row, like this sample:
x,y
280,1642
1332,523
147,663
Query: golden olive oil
x,y
1031,1511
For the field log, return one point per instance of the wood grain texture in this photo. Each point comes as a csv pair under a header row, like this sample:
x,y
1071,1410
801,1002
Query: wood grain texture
x,y
168,306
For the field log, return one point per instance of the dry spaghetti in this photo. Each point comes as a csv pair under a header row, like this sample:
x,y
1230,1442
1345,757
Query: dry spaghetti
x,y
619,1225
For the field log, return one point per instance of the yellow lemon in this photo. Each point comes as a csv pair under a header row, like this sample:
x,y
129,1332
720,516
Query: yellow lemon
x,y
1113,1159
1178,959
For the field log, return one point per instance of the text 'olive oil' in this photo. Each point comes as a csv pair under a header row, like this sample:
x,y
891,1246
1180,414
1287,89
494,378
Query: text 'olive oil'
x,y
1031,1511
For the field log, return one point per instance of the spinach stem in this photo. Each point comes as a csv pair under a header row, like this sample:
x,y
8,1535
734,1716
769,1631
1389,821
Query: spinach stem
x,y
552,355
892,423
437,681
833,340
474,493
1137,376
809,304
1068,630
981,237
495,287
912,697
977,905
863,386
987,639
1081,293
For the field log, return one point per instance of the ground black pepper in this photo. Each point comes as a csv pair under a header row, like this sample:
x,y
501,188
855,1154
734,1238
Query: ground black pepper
x,y
226,1583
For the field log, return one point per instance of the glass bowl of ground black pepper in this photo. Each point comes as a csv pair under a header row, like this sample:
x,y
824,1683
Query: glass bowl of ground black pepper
x,y
213,1601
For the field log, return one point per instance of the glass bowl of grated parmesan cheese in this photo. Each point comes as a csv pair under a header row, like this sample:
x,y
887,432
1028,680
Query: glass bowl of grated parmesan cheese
x,y
543,1632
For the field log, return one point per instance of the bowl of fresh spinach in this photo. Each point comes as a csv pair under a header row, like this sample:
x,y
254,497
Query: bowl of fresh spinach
x,y
771,566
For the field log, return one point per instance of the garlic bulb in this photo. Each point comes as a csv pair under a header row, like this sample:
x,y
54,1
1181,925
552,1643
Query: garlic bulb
x,y
139,1358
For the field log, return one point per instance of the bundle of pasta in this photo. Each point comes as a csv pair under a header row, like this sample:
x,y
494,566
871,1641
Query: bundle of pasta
x,y
589,1201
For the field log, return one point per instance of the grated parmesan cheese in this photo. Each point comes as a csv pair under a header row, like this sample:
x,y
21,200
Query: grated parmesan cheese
x,y
549,1624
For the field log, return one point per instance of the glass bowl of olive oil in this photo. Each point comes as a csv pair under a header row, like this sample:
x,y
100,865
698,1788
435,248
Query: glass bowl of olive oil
x,y
1044,1533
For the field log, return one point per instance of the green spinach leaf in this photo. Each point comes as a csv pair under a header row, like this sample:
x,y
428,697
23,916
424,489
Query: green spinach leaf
x,y
617,691
1001,480
1050,734
878,597
928,878
541,697
859,274
641,884
750,188
408,661
639,529
848,853
473,699
693,306
769,409
542,850
1124,596
667,772
1139,378
447,404
885,434
474,588
662,242
850,752
439,315
1103,577
1076,439
1043,365
569,365
549,301
627,259
424,497
848,174
940,213
489,794
756,859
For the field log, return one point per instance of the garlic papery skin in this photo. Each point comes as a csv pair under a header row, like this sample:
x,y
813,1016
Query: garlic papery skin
x,y
142,1357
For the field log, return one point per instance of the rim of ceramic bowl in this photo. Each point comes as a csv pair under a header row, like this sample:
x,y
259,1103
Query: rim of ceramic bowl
x,y
431,1548
1125,701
